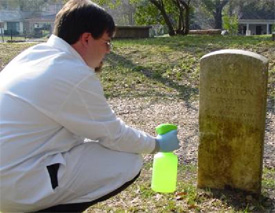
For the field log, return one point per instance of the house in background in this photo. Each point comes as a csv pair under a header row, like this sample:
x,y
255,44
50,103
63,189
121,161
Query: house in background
x,y
36,25
43,21
28,23
256,24
12,22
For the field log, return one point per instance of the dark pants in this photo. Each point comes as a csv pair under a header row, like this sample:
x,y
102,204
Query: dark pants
x,y
80,207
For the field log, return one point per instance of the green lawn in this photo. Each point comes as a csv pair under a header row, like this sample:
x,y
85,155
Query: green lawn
x,y
140,198
164,66
168,66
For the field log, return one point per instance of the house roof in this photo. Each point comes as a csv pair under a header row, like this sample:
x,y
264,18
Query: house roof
x,y
257,18
42,18
10,15
267,15
256,21
13,15
17,16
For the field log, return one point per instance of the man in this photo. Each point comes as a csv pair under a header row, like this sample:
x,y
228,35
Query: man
x,y
50,101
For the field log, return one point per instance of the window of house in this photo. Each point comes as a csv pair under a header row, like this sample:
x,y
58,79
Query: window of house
x,y
13,26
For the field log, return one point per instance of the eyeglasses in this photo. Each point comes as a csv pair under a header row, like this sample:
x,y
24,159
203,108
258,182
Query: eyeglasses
x,y
108,44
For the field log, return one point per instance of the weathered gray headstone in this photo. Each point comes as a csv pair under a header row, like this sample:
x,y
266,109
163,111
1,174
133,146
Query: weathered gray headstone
x,y
233,92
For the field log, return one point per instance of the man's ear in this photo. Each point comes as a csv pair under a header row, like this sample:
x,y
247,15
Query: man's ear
x,y
84,38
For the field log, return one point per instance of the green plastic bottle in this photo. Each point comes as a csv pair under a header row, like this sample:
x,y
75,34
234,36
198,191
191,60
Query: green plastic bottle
x,y
165,166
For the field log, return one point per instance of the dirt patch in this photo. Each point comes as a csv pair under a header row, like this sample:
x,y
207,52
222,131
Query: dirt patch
x,y
147,113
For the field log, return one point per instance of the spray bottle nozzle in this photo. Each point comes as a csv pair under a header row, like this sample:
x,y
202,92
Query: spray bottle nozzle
x,y
164,128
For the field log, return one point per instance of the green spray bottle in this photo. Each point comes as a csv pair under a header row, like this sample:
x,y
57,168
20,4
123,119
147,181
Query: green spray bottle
x,y
165,166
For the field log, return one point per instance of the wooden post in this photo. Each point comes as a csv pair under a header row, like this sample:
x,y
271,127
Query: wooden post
x,y
2,30
2,33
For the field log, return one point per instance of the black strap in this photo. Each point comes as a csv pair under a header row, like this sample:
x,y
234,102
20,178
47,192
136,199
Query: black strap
x,y
80,207
53,171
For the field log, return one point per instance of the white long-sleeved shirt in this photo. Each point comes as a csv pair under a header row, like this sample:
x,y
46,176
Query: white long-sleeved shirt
x,y
49,101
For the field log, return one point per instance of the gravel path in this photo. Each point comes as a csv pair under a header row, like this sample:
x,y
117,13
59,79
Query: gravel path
x,y
147,113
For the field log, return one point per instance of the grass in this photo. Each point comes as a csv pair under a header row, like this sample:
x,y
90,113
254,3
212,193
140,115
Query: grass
x,y
164,66
168,67
140,198
10,50
13,38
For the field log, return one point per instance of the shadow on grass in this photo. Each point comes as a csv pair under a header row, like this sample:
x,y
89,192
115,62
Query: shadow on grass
x,y
240,200
186,93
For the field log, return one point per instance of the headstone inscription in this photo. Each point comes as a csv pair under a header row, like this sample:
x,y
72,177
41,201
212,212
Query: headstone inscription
x,y
233,92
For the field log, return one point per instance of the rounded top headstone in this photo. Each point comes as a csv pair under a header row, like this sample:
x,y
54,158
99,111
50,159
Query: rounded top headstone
x,y
236,52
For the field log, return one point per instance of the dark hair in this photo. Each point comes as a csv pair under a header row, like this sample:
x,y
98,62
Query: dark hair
x,y
80,16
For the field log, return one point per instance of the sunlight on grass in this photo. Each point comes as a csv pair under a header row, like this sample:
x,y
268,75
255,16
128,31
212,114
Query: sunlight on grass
x,y
10,50
168,66
140,198
268,178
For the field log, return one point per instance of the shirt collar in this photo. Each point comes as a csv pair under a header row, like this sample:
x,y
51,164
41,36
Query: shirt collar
x,y
58,43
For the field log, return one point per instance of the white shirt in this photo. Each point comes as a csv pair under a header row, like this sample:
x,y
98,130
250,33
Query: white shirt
x,y
50,100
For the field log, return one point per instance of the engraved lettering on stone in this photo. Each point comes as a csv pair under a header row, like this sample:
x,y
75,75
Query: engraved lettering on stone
x,y
231,120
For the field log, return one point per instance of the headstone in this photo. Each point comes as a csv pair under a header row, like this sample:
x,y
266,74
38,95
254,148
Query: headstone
x,y
248,32
225,32
233,92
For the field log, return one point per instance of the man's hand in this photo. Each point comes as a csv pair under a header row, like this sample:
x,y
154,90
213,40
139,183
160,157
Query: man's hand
x,y
168,142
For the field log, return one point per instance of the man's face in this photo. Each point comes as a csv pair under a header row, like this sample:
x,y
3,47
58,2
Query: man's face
x,y
97,49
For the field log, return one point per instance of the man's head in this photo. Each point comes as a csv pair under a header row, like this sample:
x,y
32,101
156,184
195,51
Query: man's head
x,y
80,16
87,27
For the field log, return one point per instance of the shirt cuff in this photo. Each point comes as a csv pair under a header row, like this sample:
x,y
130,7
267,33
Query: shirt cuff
x,y
156,147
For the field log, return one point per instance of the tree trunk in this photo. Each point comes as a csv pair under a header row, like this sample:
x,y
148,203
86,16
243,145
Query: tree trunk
x,y
218,13
183,19
187,18
180,28
185,9
161,8
218,18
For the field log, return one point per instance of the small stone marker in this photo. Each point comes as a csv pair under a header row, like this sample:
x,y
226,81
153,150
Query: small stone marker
x,y
233,92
